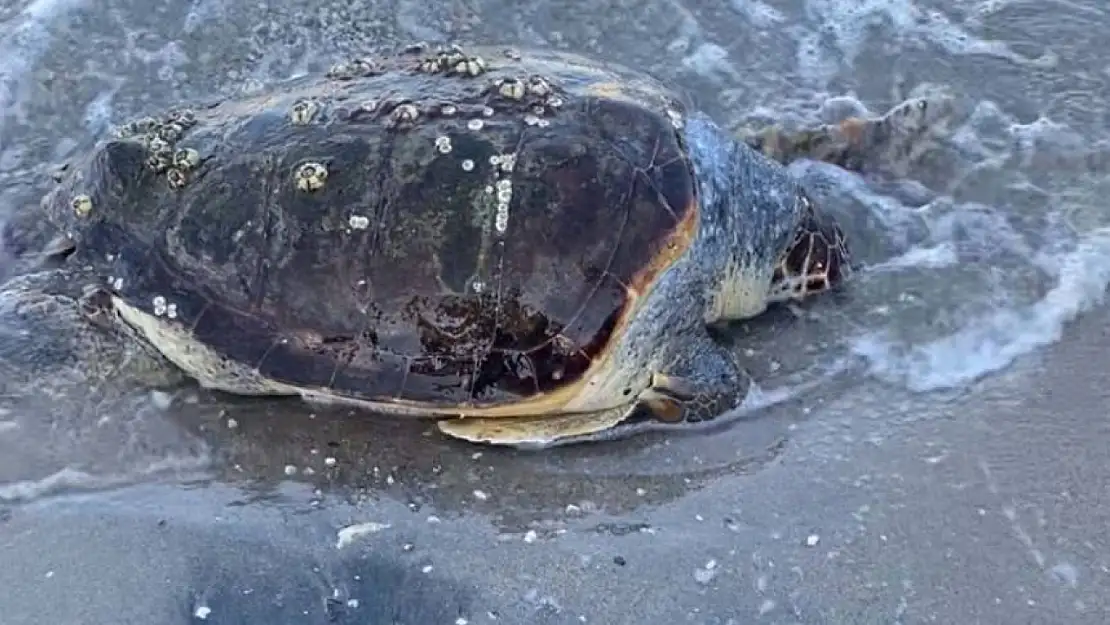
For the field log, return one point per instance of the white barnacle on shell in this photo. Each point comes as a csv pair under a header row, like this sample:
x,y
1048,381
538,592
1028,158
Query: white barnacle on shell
x,y
501,220
405,114
186,118
474,124
507,161
311,176
358,222
511,88
171,311
467,165
170,132
176,178
531,119
116,283
443,144
471,67
538,87
504,199
156,144
487,111
160,160
159,304
303,111
82,205
186,159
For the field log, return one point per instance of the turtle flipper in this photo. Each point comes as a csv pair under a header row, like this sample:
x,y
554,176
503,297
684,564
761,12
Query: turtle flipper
x,y
857,142
703,382
95,305
54,335
534,430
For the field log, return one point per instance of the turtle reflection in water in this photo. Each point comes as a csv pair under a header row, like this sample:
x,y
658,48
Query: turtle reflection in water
x,y
527,246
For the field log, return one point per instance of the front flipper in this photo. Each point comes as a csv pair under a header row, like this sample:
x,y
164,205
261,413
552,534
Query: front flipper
x,y
49,349
703,382
858,143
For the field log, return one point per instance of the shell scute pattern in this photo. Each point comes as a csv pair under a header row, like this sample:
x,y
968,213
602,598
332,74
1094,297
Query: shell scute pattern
x,y
405,275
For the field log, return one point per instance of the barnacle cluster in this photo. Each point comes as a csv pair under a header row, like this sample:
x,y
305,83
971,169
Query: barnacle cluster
x,y
160,137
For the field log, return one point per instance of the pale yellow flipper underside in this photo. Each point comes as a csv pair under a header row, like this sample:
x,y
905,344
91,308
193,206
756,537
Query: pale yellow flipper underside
x,y
536,429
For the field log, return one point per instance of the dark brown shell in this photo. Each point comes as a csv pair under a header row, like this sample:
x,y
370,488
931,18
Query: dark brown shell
x,y
390,278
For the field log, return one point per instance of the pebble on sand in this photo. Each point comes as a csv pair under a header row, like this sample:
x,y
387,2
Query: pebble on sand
x,y
348,534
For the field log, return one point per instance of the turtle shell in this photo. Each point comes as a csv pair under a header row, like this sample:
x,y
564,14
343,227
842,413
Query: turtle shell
x,y
439,227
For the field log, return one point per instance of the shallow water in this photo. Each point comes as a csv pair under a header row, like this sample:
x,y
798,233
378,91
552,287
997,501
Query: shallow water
x,y
930,446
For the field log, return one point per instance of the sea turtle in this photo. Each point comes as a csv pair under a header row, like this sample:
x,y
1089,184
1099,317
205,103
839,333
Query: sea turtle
x,y
528,246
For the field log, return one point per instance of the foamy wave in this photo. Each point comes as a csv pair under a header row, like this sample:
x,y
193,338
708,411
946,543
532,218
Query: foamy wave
x,y
1001,280
930,256
69,479
993,341
25,39
849,23
1007,243
759,14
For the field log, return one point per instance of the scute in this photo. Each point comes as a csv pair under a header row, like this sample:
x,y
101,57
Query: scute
x,y
480,236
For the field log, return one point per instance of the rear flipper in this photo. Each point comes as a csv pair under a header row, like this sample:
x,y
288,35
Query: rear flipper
x,y
29,244
856,144
703,382
48,345
75,396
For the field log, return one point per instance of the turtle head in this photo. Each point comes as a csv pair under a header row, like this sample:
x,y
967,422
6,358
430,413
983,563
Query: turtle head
x,y
815,260
763,239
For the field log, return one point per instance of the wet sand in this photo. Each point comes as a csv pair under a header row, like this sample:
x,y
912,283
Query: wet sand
x,y
991,510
